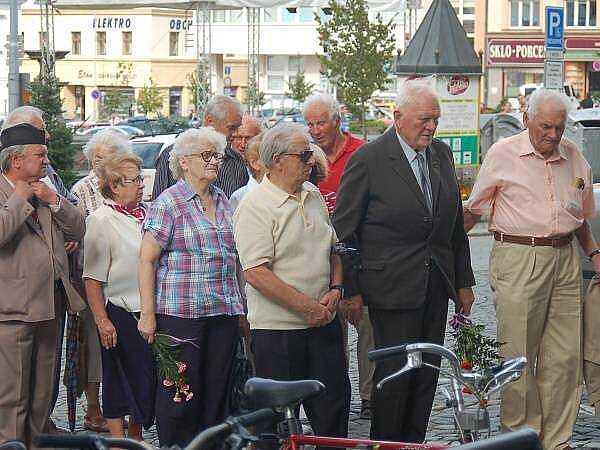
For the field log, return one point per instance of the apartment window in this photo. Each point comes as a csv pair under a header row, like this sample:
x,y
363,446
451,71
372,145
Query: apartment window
x,y
219,15
282,69
42,37
76,43
289,14
524,13
306,14
270,14
469,26
173,43
100,42
237,15
581,13
126,42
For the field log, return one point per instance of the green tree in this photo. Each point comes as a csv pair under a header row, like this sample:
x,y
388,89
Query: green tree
x,y
199,89
45,95
357,52
299,87
150,98
254,98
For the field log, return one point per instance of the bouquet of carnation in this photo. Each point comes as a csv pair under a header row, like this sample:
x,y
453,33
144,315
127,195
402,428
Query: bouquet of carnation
x,y
168,361
473,348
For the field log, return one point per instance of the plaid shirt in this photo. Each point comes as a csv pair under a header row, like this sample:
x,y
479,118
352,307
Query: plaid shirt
x,y
197,270
88,192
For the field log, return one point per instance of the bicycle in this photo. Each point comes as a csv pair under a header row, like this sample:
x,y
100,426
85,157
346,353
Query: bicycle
x,y
480,383
284,397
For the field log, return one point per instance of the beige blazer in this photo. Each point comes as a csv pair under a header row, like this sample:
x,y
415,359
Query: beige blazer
x,y
32,258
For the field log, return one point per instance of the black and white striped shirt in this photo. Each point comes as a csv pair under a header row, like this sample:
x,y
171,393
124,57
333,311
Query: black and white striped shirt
x,y
233,173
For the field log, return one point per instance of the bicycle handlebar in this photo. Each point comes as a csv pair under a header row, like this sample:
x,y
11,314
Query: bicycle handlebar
x,y
86,441
493,378
210,434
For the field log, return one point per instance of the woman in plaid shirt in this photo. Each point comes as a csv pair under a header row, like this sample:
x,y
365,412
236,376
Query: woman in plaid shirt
x,y
189,284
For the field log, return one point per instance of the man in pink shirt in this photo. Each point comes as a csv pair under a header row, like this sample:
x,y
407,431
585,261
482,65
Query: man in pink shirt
x,y
537,189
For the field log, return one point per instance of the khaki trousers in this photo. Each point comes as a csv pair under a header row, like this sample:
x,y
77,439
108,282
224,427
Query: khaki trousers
x,y
537,294
365,343
591,342
27,375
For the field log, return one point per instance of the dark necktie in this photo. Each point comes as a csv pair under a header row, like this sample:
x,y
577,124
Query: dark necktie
x,y
425,186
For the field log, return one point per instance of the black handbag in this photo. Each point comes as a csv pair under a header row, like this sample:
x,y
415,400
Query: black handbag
x,y
241,370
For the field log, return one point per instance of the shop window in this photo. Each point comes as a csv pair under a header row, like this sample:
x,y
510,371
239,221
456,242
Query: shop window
x,y
173,43
76,43
281,69
524,13
100,42
175,101
581,13
126,42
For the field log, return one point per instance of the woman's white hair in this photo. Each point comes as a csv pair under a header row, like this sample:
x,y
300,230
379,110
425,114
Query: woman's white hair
x,y
542,96
113,139
193,141
22,114
328,101
411,90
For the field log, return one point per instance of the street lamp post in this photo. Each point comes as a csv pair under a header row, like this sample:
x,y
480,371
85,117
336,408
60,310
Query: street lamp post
x,y
13,57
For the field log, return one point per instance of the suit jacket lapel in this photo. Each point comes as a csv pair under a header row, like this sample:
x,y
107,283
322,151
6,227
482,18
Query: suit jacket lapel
x,y
434,176
401,166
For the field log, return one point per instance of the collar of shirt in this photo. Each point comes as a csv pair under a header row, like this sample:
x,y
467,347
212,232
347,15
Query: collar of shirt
x,y
279,196
189,194
410,153
12,185
528,150
231,153
351,144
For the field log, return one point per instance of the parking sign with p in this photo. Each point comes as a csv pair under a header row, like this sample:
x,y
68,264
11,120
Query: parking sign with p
x,y
554,27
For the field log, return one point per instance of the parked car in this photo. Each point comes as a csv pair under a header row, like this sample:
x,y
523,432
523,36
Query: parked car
x,y
298,118
85,134
148,148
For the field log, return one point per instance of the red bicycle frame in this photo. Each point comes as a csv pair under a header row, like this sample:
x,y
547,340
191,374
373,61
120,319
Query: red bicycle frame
x,y
296,441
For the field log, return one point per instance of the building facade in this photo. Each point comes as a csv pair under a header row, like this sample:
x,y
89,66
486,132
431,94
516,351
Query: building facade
x,y
514,46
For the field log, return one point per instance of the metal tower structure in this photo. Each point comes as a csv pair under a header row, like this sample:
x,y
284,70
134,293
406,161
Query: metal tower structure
x,y
253,59
48,55
203,57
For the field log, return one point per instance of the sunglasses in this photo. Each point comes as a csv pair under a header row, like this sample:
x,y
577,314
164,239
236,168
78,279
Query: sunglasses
x,y
207,156
304,156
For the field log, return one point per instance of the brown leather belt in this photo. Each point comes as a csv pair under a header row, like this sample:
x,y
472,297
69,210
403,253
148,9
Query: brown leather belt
x,y
534,241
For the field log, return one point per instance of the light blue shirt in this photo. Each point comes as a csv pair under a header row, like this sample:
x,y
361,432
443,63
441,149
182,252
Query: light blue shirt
x,y
411,156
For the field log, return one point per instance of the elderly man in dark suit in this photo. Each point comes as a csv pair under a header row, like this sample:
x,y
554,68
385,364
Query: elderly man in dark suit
x,y
399,203
35,222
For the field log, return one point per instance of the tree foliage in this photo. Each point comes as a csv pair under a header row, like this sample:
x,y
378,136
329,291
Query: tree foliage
x,y
299,88
254,98
199,87
357,52
45,95
150,99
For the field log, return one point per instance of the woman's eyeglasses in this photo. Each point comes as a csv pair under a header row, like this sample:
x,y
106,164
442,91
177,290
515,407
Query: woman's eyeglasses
x,y
137,180
207,156
304,156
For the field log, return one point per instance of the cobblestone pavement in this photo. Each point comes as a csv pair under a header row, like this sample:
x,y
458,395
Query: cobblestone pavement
x,y
587,430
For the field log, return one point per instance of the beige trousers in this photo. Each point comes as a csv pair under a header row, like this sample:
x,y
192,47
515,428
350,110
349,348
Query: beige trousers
x,y
365,343
27,372
537,294
591,342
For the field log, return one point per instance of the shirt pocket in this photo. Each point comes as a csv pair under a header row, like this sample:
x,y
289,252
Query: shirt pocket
x,y
572,202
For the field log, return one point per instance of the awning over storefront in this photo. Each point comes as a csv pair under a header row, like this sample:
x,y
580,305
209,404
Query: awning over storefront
x,y
440,45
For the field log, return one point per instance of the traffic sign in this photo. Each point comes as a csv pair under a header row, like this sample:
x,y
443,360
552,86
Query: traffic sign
x,y
95,94
555,26
553,75
227,70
